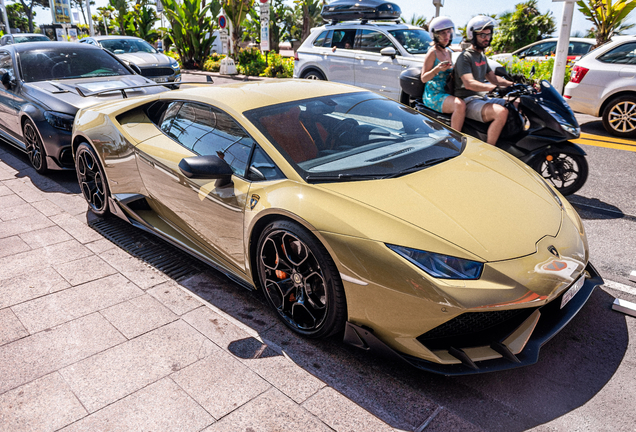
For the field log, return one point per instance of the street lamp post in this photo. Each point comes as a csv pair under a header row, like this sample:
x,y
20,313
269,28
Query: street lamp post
x,y
561,56
438,4
5,17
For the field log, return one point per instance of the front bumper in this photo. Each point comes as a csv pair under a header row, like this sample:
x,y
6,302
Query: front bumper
x,y
551,319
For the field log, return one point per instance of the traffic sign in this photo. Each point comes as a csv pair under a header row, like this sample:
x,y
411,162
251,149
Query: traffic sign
x,y
222,21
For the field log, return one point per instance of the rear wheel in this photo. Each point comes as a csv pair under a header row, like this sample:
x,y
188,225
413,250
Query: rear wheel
x,y
314,75
566,172
619,117
34,147
91,178
300,280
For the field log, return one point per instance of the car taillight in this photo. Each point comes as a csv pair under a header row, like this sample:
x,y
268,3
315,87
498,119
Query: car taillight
x,y
578,72
296,56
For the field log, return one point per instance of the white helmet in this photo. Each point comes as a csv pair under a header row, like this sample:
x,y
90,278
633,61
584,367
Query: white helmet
x,y
440,23
478,24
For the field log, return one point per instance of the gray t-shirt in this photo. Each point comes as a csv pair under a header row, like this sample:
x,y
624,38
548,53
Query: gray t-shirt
x,y
470,61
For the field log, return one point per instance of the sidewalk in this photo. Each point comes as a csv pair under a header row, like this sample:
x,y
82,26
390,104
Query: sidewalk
x,y
92,338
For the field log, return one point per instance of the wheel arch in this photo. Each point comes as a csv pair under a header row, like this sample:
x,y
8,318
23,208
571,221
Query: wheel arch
x,y
312,68
612,98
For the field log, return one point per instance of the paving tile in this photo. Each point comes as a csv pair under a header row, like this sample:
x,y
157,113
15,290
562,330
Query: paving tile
x,y
134,269
26,262
36,283
138,315
16,211
161,406
32,357
78,229
100,246
175,298
271,411
220,383
45,404
12,245
84,270
11,200
47,207
62,306
13,164
341,414
10,327
71,203
446,420
45,237
104,378
25,190
5,190
215,327
27,223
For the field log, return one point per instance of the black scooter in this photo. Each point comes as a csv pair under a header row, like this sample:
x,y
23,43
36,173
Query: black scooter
x,y
538,132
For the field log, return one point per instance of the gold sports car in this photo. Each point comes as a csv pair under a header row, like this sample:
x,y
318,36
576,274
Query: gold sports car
x,y
352,213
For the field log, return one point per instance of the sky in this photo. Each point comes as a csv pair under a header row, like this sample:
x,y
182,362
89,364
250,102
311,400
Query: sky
x,y
460,11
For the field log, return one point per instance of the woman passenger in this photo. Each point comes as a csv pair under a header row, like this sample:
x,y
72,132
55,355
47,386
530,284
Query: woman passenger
x,y
438,66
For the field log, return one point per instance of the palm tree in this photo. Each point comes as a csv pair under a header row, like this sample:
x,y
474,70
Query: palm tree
x,y
608,16
417,20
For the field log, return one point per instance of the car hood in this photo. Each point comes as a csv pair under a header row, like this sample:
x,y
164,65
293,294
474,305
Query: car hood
x,y
481,201
143,59
62,95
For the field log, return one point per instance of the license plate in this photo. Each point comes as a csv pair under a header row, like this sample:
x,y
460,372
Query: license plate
x,y
160,80
570,293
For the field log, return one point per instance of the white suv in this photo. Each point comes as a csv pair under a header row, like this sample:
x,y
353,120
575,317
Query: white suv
x,y
366,54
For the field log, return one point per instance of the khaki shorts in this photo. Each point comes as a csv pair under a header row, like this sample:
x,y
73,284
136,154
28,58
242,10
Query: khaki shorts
x,y
475,104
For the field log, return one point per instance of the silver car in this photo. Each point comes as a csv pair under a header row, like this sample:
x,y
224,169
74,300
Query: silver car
x,y
136,51
603,84
10,39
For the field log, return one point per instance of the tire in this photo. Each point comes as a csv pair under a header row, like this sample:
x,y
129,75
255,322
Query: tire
x,y
566,172
619,117
314,75
91,179
300,280
34,147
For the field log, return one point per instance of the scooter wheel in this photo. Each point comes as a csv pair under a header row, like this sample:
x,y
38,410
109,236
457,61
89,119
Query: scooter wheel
x,y
566,172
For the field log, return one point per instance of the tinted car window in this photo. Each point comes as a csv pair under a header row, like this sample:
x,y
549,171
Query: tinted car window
x,y
125,46
373,41
343,38
38,38
545,48
262,167
6,62
414,41
579,48
68,61
622,54
320,40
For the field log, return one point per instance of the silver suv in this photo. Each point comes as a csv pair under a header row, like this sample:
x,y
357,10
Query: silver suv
x,y
366,54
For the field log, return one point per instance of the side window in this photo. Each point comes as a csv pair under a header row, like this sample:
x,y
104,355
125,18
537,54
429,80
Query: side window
x,y
320,40
192,122
343,39
578,48
262,167
374,41
168,116
622,54
537,50
6,64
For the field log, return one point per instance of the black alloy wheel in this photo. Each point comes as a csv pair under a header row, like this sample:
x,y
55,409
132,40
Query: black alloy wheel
x,y
566,172
34,147
300,281
91,178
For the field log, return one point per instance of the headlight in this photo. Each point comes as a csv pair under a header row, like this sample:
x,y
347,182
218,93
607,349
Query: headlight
x,y
59,120
440,266
174,65
576,131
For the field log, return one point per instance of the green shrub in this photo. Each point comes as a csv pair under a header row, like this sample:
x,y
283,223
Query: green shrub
x,y
542,69
278,66
175,56
251,61
213,63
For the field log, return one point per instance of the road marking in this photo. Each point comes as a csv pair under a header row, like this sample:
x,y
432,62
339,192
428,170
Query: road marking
x,y
620,287
607,142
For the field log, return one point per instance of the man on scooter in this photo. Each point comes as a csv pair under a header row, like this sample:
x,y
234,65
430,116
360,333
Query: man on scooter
x,y
474,79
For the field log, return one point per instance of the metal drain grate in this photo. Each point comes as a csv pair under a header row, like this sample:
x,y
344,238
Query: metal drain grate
x,y
158,253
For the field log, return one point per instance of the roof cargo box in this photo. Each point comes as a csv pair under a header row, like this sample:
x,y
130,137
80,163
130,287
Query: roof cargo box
x,y
343,10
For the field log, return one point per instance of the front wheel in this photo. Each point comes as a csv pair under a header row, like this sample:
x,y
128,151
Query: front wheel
x,y
91,178
300,280
314,75
619,117
566,172
34,147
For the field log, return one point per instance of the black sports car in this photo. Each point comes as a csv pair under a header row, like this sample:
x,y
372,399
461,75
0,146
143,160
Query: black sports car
x,y
43,86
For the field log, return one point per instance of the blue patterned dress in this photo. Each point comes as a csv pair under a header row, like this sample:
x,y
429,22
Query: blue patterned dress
x,y
434,93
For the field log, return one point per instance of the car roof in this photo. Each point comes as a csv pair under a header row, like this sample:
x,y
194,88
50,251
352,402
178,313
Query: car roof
x,y
116,37
30,46
27,34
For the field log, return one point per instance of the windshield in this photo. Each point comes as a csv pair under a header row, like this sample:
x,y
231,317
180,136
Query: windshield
x,y
354,136
125,46
68,61
36,38
414,41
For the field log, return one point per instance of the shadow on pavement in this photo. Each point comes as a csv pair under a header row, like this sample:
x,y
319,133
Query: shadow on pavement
x,y
594,208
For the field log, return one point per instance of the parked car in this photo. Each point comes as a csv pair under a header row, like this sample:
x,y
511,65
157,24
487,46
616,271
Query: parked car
x,y
603,84
44,84
367,54
9,39
133,50
546,48
351,213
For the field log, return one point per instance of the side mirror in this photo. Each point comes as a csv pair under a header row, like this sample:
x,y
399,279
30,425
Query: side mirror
x,y
207,167
136,69
521,56
8,81
388,51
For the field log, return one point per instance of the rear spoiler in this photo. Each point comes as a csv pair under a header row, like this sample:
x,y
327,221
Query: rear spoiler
x,y
124,89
